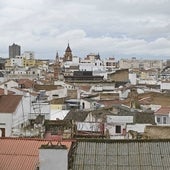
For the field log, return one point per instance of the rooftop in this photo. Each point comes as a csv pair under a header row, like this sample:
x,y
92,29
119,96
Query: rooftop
x,y
22,153
2,91
163,111
121,154
25,83
9,103
38,87
76,115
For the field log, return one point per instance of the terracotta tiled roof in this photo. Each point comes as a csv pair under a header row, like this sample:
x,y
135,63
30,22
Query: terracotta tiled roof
x,y
26,83
163,111
38,87
165,81
20,153
148,70
2,92
9,103
85,87
156,98
145,101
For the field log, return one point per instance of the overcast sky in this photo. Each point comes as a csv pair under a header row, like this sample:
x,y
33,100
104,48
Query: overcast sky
x,y
119,28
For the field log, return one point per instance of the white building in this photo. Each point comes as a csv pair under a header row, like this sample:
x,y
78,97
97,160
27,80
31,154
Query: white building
x,y
58,112
8,85
2,77
28,55
74,62
12,114
165,85
116,126
110,64
17,61
133,78
19,71
58,93
39,108
89,104
162,116
91,65
139,63
53,157
25,73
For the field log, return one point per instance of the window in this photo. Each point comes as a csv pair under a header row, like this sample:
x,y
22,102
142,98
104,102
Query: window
x,y
158,120
2,132
118,129
164,120
83,105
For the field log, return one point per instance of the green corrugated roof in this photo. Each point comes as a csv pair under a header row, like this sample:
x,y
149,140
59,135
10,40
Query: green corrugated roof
x,y
121,155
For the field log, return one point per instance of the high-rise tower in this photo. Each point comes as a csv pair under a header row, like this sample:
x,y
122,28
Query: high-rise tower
x,y
14,50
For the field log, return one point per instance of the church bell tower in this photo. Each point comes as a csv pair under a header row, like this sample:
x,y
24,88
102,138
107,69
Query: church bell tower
x,y
68,54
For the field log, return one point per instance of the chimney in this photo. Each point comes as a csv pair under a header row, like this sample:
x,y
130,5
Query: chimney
x,y
53,157
5,89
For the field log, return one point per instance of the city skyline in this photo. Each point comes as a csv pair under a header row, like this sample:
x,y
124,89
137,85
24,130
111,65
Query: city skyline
x,y
123,29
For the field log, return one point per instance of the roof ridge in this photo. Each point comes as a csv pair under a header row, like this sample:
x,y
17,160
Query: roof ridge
x,y
34,139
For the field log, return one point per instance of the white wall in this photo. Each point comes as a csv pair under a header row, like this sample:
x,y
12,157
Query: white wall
x,y
165,86
20,115
100,73
28,55
20,72
123,94
57,114
132,78
40,108
14,120
75,60
112,130
167,117
63,84
134,63
6,119
87,104
88,126
113,121
60,92
89,65
86,67
51,159
2,79
137,127
18,61
90,118
10,84
153,82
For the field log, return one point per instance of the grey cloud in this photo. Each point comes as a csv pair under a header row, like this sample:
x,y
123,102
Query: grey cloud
x,y
112,27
